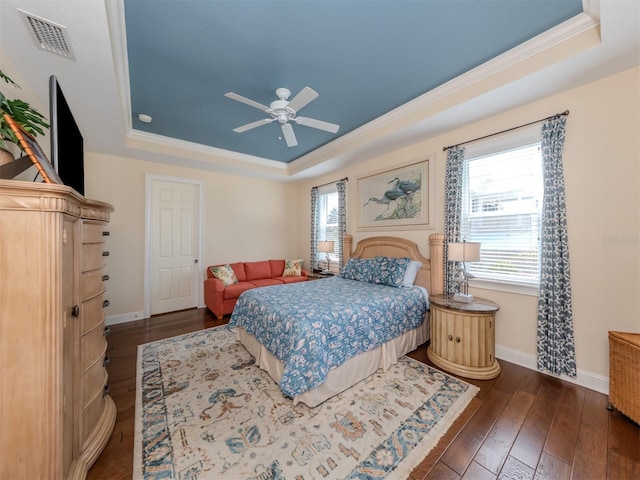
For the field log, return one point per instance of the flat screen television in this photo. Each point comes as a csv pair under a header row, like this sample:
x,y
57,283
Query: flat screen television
x,y
67,146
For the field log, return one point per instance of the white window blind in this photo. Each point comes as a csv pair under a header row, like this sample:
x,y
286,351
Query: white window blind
x,y
502,206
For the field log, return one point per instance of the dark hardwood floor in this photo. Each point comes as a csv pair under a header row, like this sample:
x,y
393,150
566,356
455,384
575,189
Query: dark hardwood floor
x,y
521,425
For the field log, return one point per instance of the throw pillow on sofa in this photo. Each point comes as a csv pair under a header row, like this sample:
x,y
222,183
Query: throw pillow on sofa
x,y
292,268
225,273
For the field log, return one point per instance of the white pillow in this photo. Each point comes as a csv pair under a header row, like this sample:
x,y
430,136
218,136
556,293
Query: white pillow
x,y
411,273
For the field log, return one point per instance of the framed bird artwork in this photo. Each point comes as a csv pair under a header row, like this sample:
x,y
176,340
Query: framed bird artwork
x,y
398,197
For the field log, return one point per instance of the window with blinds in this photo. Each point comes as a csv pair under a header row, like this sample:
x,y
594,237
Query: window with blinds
x,y
327,228
502,209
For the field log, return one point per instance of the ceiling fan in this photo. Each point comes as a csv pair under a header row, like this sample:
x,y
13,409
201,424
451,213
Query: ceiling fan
x,y
285,111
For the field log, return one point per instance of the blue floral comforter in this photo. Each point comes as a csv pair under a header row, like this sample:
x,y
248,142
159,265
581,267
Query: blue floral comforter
x,y
313,327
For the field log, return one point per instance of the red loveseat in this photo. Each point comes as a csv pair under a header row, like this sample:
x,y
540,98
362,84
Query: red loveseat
x,y
221,299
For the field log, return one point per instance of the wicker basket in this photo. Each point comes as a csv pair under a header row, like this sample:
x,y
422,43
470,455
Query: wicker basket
x,y
624,373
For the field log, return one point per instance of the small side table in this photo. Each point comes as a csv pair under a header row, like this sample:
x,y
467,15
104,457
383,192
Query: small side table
x,y
463,336
317,276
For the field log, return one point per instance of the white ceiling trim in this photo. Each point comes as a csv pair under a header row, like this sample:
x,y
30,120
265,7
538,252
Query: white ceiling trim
x,y
492,72
150,141
118,36
519,62
158,143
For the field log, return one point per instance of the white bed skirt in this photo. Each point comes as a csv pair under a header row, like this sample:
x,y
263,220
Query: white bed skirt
x,y
346,375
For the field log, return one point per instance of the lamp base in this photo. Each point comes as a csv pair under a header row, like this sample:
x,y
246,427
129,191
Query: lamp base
x,y
463,297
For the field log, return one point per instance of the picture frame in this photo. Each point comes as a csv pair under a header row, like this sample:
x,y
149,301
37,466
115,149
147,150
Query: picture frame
x,y
32,150
401,197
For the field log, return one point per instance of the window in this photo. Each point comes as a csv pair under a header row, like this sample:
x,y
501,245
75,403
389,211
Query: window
x,y
328,227
502,209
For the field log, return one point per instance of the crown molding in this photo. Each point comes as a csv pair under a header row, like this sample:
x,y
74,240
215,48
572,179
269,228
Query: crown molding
x,y
167,145
521,60
440,97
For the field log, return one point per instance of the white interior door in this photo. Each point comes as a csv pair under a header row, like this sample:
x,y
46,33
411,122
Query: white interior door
x,y
174,245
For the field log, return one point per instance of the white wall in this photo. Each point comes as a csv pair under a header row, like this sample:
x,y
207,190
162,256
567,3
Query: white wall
x,y
245,219
602,179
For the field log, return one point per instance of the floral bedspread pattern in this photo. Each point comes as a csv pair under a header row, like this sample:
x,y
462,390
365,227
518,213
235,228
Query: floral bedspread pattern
x,y
313,327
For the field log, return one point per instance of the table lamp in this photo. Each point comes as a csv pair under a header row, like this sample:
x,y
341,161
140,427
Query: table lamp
x,y
464,252
326,247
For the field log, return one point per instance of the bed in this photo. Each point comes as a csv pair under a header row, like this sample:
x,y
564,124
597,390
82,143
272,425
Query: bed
x,y
363,326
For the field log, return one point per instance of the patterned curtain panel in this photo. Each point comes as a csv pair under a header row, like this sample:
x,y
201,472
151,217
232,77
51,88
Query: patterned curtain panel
x,y
452,213
556,351
315,214
342,218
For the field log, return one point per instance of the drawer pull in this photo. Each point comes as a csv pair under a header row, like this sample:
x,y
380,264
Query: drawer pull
x,y
457,339
107,331
106,361
106,303
105,254
105,391
75,311
105,278
450,337
105,233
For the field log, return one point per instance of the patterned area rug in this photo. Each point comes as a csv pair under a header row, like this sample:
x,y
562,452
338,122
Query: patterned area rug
x,y
205,411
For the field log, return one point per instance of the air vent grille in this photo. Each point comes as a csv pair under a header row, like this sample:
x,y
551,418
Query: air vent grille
x,y
48,35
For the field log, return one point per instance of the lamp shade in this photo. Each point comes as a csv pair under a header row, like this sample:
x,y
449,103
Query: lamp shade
x,y
463,252
326,246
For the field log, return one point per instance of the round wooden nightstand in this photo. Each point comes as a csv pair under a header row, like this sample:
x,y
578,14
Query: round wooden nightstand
x,y
463,336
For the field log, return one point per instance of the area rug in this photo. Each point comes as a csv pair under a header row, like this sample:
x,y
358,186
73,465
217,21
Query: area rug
x,y
205,411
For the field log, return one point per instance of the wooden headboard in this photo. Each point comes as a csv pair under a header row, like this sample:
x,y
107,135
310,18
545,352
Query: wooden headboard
x,y
430,276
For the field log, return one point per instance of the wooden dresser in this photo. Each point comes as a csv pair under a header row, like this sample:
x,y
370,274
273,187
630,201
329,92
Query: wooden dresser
x,y
55,411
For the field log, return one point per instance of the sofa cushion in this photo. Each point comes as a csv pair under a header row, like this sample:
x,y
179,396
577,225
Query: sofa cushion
x,y
234,291
265,282
292,268
257,270
302,278
277,267
225,273
238,269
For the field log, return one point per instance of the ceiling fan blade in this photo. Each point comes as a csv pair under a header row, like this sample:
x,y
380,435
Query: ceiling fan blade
x,y
240,98
303,98
319,124
289,136
251,125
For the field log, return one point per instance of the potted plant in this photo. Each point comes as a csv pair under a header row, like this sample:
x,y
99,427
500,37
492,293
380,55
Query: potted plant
x,y
23,113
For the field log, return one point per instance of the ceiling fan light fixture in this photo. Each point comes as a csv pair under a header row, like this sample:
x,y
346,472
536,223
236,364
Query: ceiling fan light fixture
x,y
284,111
283,93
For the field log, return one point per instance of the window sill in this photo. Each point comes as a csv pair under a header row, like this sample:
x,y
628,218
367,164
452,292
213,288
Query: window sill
x,y
510,287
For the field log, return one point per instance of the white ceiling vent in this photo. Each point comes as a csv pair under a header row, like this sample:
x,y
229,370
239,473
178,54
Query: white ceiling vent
x,y
48,35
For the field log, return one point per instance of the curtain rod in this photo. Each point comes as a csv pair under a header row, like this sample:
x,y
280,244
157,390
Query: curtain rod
x,y
565,113
346,179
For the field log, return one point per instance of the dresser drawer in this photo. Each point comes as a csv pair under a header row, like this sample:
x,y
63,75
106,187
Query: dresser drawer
x,y
93,382
91,416
92,232
92,284
93,313
93,256
94,345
